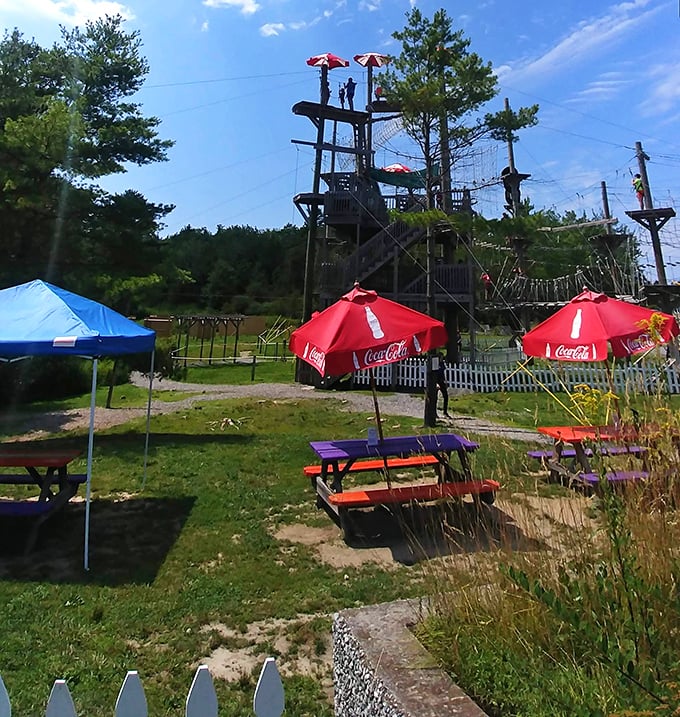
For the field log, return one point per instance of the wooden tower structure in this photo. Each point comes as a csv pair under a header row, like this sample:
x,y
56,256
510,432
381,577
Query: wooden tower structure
x,y
355,233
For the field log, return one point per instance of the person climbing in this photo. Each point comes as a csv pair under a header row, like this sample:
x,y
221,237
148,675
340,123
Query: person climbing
x,y
488,285
341,96
639,188
439,373
350,86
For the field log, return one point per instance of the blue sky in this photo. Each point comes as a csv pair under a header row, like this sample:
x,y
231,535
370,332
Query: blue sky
x,y
226,73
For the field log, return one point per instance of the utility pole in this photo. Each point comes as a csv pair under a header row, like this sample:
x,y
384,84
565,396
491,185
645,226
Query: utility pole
x,y
651,219
510,176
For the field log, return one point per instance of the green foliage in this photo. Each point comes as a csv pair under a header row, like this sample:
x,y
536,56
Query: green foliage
x,y
44,378
236,269
66,118
437,83
503,125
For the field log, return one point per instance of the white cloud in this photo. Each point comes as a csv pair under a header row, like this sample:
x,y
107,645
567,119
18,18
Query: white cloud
x,y
247,7
67,12
607,87
370,5
272,29
589,38
664,94
205,26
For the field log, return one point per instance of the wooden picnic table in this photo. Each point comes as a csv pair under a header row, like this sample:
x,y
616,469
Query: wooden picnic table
x,y
47,469
342,457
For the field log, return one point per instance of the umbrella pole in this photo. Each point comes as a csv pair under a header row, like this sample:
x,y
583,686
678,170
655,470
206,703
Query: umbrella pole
x,y
610,379
379,425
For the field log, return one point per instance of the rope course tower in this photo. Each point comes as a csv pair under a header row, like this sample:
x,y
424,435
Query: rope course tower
x,y
354,230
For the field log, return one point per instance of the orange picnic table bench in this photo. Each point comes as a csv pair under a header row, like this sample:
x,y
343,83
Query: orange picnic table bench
x,y
343,457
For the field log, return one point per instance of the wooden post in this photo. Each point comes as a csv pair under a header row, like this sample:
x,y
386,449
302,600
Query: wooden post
x,y
650,218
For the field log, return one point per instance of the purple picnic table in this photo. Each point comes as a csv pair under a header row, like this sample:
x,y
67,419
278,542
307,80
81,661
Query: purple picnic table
x,y
339,457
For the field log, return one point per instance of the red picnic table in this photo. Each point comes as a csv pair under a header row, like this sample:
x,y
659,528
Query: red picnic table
x,y
46,468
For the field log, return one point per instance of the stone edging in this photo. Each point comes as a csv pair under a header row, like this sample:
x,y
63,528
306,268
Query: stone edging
x,y
380,668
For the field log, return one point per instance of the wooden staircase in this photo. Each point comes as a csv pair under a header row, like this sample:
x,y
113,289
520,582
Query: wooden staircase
x,y
379,251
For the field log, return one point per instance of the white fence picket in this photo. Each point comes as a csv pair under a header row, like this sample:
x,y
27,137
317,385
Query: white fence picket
x,y
131,700
269,698
201,701
410,374
60,703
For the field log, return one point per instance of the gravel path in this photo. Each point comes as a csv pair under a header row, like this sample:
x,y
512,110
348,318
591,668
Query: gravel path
x,y
398,404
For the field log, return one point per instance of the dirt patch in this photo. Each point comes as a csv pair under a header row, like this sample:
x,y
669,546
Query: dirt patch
x,y
302,648
331,549
556,521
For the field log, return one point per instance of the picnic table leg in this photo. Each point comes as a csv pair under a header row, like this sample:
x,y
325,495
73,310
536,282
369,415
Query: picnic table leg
x,y
582,457
555,475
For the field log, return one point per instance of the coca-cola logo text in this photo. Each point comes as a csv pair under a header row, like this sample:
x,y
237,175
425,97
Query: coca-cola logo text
x,y
317,357
574,353
635,344
393,352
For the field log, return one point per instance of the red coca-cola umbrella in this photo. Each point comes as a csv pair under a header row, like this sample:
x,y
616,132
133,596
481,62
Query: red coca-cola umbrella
x,y
327,60
591,323
397,168
369,60
372,59
361,331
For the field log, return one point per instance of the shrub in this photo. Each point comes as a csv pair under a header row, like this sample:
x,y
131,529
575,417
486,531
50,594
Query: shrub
x,y
42,378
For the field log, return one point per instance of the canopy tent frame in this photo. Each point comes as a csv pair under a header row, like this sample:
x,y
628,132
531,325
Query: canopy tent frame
x,y
40,319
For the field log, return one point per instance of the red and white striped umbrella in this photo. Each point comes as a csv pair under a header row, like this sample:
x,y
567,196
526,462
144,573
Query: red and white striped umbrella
x,y
327,59
372,59
397,168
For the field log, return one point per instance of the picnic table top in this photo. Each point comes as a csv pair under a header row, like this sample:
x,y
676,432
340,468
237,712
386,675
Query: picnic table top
x,y
578,434
353,448
39,457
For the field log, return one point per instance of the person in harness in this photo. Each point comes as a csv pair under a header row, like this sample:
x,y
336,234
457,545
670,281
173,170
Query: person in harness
x,y
639,189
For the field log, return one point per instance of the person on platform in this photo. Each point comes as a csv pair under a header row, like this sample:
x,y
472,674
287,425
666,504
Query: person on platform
x,y
341,96
325,92
639,189
350,87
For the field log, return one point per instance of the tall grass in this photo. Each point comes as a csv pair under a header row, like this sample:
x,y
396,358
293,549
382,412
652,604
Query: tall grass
x,y
586,621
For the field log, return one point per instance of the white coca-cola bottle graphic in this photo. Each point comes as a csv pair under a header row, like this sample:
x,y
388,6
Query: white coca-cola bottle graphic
x,y
576,325
374,324
416,344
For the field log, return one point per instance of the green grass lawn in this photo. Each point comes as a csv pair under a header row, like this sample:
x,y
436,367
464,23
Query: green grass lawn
x,y
194,549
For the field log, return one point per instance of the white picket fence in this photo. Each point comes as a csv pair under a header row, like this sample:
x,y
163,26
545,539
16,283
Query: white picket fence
x,y
410,374
201,700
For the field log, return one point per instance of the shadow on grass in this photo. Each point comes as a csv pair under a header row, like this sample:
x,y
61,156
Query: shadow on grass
x,y
129,540
417,532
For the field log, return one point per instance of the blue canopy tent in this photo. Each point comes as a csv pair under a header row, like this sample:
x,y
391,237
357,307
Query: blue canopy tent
x,y
39,319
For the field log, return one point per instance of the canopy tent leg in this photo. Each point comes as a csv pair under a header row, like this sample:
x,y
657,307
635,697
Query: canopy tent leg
x,y
148,417
90,446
